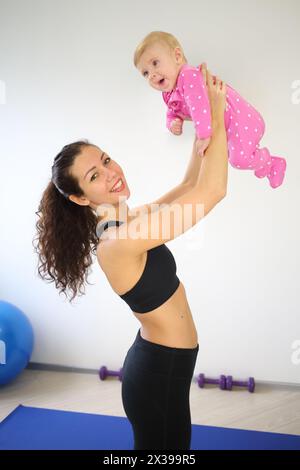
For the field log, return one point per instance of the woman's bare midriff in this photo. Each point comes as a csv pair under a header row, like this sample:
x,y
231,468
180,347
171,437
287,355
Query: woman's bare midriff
x,y
171,324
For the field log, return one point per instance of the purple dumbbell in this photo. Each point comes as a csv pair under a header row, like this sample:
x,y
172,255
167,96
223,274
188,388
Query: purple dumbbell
x,y
202,380
250,383
104,372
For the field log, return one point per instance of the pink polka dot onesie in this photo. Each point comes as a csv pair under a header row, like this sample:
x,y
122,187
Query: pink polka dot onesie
x,y
244,125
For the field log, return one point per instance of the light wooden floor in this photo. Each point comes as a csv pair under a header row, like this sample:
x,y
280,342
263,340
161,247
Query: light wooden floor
x,y
270,408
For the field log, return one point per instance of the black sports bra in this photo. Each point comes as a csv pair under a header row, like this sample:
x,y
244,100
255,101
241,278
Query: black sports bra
x,y
157,282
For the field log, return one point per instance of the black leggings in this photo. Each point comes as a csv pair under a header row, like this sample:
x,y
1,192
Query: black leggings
x,y
155,393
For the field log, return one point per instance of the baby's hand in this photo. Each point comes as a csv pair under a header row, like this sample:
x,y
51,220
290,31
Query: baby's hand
x,y
176,126
201,146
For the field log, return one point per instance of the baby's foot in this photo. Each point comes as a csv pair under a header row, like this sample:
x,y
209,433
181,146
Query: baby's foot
x,y
277,171
264,162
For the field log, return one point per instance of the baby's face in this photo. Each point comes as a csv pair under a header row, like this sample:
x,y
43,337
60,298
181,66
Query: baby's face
x,y
160,66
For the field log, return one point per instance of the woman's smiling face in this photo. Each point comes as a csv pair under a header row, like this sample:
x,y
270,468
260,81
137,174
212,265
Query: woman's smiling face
x,y
98,176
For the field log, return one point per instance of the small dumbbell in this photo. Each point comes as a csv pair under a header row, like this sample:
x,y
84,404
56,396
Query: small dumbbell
x,y
104,372
202,380
250,383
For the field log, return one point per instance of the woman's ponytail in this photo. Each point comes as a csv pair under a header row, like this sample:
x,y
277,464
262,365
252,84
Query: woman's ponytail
x,y
66,232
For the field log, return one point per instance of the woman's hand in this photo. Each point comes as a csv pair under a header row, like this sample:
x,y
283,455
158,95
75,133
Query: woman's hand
x,y
216,90
201,145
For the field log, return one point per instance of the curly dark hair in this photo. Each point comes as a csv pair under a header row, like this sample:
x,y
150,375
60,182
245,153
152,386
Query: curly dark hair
x,y
66,232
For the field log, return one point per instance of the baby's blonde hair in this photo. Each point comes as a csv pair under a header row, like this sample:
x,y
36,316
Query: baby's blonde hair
x,y
153,38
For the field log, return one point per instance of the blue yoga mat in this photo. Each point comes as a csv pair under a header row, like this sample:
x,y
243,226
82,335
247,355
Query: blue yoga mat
x,y
43,429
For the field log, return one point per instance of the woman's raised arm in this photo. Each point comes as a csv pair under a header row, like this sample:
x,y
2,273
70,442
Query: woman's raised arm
x,y
214,168
152,229
194,165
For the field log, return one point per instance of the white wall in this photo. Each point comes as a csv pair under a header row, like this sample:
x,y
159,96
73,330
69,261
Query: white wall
x,y
68,74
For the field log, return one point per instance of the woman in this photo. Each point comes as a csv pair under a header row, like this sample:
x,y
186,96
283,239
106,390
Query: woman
x,y
159,366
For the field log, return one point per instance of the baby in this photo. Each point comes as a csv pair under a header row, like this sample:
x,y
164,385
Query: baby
x,y
160,59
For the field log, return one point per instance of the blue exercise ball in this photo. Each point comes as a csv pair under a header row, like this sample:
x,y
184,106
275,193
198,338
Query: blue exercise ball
x,y
16,341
